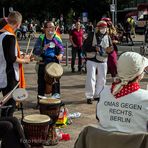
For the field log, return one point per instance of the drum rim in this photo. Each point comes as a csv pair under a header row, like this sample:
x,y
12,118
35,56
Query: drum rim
x,y
32,121
48,103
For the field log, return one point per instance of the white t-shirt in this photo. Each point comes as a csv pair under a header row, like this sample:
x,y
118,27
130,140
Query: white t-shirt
x,y
126,114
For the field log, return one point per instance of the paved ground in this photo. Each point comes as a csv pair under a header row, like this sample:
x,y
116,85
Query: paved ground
x,y
72,93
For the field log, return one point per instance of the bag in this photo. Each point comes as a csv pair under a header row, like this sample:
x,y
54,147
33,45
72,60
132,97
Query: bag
x,y
110,48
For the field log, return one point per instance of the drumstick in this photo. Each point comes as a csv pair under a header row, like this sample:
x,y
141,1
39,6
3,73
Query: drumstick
x,y
28,45
7,97
31,52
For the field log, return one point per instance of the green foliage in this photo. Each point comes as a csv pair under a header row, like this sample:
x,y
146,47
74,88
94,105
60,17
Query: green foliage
x,y
42,9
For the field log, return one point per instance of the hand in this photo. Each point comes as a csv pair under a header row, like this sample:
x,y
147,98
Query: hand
x,y
26,56
97,48
59,57
74,45
32,58
27,59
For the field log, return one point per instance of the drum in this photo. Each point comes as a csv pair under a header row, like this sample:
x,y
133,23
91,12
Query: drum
x,y
20,94
50,107
36,128
53,72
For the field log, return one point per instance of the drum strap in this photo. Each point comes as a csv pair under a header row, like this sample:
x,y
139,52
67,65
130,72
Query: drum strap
x,y
55,81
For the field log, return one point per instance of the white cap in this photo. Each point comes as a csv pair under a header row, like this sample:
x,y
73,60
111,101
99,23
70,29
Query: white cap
x,y
129,66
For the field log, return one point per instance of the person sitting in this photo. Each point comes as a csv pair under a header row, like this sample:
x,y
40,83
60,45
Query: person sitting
x,y
11,133
123,106
122,109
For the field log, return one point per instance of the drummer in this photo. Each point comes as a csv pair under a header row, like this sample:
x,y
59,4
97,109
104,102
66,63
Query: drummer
x,y
48,48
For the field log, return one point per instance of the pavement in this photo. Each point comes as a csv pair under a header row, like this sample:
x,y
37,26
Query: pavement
x,y
72,94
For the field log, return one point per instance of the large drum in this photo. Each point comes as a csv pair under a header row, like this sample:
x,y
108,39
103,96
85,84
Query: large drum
x,y
36,128
53,72
51,107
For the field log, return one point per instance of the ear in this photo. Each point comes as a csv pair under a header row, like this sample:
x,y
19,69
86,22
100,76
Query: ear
x,y
18,25
141,76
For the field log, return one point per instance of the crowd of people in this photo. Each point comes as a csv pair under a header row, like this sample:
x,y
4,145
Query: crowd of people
x,y
101,52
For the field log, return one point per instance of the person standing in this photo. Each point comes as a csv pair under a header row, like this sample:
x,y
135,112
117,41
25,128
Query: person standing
x,y
48,48
128,32
24,30
112,56
132,23
96,62
76,39
11,69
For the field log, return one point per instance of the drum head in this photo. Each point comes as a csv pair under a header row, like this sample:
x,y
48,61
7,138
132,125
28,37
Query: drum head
x,y
36,118
20,94
54,70
49,101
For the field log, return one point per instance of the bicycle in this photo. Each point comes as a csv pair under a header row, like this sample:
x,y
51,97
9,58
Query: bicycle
x,y
31,35
19,34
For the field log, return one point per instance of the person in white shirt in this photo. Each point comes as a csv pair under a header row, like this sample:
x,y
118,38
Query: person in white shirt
x,y
124,105
96,62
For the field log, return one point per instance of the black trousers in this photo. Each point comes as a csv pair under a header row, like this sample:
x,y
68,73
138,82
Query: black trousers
x,y
11,84
41,82
74,52
11,133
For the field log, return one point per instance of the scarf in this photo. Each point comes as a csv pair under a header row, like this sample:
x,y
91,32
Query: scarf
x,y
21,70
126,89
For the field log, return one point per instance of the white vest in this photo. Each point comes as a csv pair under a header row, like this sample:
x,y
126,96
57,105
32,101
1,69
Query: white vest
x,y
126,114
3,75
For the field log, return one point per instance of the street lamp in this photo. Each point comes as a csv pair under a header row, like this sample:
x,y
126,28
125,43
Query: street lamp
x,y
115,12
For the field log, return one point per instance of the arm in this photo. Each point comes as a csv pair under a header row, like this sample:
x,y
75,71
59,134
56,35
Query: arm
x,y
38,47
9,51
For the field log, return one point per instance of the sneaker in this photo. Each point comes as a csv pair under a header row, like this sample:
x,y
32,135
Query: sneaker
x,y
89,101
97,99
56,96
73,70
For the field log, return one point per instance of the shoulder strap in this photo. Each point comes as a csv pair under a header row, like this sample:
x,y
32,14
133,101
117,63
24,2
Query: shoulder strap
x,y
94,41
110,41
42,37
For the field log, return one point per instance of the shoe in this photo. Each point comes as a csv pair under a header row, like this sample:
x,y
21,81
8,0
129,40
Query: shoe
x,y
79,70
56,96
73,71
97,99
89,101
